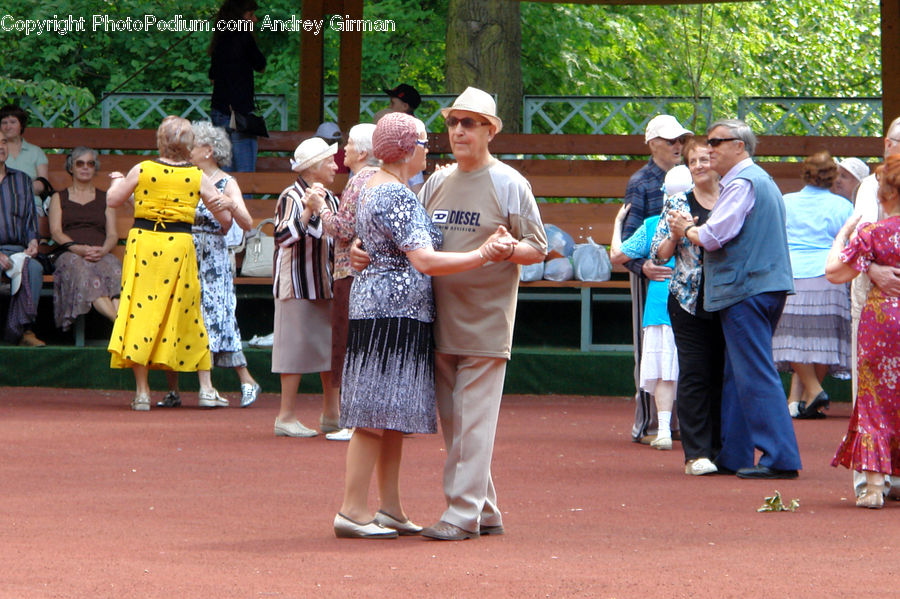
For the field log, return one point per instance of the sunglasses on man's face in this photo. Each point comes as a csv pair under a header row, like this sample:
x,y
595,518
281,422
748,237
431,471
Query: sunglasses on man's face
x,y
466,122
83,163
677,140
715,142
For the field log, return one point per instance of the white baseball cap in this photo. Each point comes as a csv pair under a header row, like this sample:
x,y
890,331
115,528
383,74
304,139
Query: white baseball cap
x,y
856,167
14,272
665,126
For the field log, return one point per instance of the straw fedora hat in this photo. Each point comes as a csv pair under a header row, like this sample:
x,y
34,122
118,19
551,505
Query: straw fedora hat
x,y
311,151
475,100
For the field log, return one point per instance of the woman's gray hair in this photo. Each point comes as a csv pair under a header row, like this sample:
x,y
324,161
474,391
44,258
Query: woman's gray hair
x,y
77,153
738,129
207,134
420,129
361,136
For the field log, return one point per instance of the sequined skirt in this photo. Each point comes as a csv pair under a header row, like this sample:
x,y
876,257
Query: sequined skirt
x,y
388,379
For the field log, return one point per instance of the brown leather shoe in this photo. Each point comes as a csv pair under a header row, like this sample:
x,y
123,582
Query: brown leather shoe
x,y
29,339
444,531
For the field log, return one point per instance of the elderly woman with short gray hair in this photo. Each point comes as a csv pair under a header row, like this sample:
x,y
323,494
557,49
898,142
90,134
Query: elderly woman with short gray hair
x,y
341,226
84,228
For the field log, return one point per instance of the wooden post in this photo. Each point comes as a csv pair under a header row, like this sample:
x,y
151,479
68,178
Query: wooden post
x,y
890,61
310,91
350,77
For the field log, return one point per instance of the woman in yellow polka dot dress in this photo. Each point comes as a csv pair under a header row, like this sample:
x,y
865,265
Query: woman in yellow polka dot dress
x,y
159,324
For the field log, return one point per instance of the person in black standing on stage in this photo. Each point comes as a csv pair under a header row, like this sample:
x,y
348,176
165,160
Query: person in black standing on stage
x,y
234,56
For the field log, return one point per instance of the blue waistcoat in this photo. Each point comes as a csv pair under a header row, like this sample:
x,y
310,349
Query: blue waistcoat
x,y
757,260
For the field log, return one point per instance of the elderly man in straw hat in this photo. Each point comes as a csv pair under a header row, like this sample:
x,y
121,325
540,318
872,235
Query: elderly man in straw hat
x,y
475,309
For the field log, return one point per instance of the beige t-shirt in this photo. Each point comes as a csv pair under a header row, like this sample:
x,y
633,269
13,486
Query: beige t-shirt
x,y
476,309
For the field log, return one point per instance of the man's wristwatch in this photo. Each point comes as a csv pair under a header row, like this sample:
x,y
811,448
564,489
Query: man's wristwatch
x,y
688,228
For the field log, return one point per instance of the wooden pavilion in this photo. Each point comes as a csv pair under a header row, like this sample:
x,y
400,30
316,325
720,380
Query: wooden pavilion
x,y
311,101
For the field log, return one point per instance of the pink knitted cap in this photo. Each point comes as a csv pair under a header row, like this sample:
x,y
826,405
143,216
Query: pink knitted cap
x,y
395,137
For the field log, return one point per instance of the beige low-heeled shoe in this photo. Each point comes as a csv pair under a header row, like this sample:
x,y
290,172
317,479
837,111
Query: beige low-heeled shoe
x,y
407,528
141,403
346,528
872,499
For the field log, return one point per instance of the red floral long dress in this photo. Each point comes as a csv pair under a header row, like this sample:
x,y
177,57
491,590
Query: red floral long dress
x,y
872,442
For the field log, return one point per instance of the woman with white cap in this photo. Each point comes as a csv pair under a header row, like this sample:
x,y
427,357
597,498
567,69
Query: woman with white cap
x,y
341,226
659,360
851,172
303,285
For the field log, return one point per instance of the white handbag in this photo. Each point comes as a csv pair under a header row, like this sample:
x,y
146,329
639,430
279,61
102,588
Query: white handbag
x,y
259,251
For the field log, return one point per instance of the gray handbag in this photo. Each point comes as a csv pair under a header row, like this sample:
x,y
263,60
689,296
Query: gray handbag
x,y
259,251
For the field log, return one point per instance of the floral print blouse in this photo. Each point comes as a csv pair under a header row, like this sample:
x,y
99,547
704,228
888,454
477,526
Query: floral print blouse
x,y
391,221
687,279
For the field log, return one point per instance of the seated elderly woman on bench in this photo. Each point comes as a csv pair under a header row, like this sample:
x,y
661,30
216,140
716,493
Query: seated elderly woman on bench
x,y
84,227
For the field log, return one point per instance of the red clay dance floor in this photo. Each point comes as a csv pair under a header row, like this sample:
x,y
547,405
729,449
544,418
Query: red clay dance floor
x,y
99,501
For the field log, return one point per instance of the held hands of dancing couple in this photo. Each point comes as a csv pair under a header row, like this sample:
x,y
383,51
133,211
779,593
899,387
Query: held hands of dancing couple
x,y
500,246
679,223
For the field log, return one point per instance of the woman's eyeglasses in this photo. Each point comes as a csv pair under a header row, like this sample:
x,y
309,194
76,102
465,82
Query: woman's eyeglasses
x,y
424,144
715,142
466,122
83,163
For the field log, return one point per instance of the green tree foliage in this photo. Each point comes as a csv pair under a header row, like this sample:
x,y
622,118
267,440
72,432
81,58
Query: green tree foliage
x,y
724,51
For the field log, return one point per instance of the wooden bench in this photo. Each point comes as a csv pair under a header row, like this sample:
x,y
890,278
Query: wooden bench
x,y
601,170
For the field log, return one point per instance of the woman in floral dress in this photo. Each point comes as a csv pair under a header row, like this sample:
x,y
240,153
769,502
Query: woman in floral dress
x,y
872,442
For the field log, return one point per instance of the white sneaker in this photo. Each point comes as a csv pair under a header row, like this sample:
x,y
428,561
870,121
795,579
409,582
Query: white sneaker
x,y
212,399
262,341
249,393
293,429
341,435
664,443
699,467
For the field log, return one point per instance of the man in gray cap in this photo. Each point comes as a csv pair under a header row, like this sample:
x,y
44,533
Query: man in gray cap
x,y
666,138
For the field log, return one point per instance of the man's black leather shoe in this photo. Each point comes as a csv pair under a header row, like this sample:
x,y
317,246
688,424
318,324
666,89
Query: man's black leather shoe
x,y
765,472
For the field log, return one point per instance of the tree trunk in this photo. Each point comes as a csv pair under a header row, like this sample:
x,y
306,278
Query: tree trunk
x,y
484,49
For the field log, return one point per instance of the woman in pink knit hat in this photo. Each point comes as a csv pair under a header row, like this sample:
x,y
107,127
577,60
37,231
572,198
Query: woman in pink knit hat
x,y
388,380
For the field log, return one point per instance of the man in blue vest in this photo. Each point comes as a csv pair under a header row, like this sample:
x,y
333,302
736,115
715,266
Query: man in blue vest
x,y
747,277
